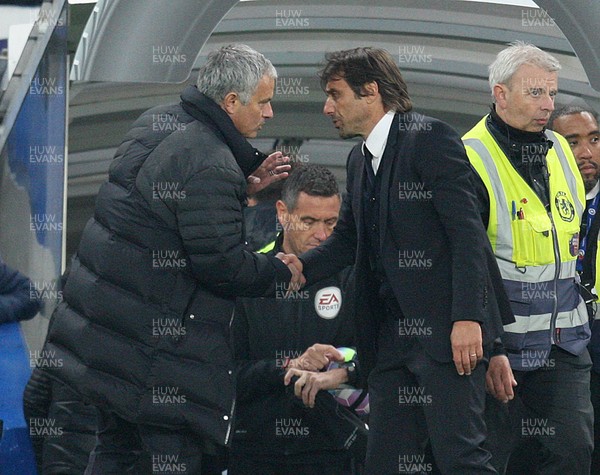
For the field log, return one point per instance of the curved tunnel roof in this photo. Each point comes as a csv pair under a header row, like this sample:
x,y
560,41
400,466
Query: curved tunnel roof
x,y
135,54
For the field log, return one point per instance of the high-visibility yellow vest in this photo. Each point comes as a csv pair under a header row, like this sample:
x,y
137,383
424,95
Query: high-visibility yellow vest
x,y
267,248
536,250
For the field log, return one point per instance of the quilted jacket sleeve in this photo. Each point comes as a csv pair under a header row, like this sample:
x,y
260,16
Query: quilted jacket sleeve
x,y
207,214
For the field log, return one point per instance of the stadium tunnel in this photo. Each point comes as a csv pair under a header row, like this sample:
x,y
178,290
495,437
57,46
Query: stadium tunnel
x,y
116,58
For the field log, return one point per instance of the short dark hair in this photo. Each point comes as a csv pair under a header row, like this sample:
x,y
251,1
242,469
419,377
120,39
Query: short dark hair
x,y
569,110
270,193
312,179
360,66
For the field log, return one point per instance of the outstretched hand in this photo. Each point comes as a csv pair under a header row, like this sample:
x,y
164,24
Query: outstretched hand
x,y
295,266
274,168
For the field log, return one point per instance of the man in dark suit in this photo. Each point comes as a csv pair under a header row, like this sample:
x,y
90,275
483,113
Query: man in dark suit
x,y
411,223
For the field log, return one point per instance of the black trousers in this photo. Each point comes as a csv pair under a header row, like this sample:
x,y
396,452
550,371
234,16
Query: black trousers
x,y
415,398
547,429
125,448
338,464
595,390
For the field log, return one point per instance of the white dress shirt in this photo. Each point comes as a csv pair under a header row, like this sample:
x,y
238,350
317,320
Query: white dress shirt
x,y
377,139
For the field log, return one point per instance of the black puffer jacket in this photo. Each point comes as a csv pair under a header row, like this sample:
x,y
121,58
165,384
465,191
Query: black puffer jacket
x,y
144,326
51,402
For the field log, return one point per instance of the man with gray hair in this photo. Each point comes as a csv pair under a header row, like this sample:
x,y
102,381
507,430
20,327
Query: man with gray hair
x,y
533,199
143,331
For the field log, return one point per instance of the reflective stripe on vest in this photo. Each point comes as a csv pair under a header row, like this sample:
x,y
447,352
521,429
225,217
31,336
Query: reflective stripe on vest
x,y
571,173
267,248
521,233
519,226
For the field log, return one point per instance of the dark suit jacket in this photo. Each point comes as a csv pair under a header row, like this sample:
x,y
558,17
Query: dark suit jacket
x,y
433,244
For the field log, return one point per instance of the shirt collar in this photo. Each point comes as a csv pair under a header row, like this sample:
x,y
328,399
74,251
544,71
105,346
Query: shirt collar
x,y
593,192
377,139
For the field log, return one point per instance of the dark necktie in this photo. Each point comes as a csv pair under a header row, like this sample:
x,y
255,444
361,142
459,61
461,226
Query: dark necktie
x,y
369,163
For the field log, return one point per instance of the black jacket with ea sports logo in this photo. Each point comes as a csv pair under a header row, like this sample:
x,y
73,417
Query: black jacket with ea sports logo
x,y
267,331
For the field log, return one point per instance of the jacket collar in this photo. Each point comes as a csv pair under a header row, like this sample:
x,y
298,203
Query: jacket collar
x,y
207,111
278,243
